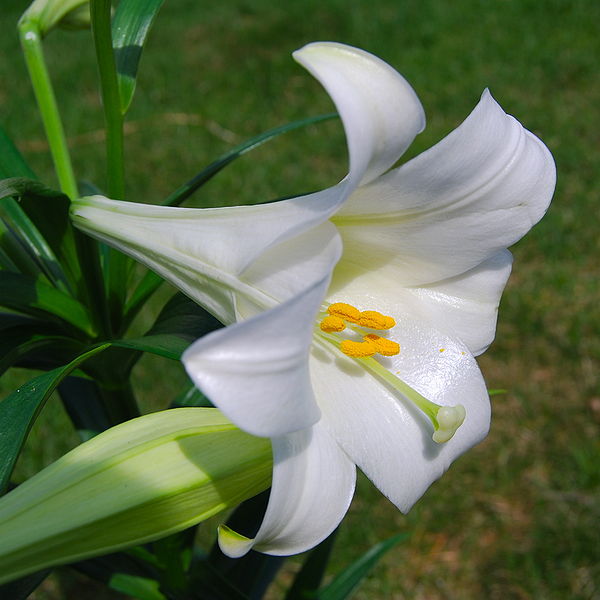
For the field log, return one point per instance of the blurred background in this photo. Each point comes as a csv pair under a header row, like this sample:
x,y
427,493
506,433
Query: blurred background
x,y
518,516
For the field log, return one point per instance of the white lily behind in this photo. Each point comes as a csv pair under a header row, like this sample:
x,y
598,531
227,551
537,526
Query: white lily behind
x,y
424,243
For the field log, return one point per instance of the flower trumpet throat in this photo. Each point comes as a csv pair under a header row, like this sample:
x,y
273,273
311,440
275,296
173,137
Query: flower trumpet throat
x,y
339,316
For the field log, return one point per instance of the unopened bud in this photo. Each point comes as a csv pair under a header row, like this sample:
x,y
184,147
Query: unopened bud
x,y
134,483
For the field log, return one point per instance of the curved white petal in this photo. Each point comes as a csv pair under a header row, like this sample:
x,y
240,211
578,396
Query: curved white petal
x,y
379,109
313,484
203,251
465,306
385,434
256,372
449,209
291,266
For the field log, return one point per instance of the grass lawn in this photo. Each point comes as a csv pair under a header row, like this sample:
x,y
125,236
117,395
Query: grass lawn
x,y
517,517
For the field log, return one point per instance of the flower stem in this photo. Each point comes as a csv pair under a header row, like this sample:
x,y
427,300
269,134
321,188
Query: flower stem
x,y
117,265
31,43
101,29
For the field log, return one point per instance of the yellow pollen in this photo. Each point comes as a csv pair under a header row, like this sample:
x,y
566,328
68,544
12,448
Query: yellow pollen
x,y
375,320
331,323
344,311
384,346
442,349
358,349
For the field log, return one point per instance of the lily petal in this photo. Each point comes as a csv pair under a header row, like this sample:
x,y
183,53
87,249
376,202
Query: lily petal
x,y
193,249
454,206
465,306
385,434
256,371
380,111
292,266
313,484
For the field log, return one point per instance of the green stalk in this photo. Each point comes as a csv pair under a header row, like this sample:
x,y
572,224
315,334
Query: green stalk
x,y
101,29
117,265
31,43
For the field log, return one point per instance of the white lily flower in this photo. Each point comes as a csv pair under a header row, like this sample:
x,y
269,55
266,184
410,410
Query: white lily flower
x,y
424,245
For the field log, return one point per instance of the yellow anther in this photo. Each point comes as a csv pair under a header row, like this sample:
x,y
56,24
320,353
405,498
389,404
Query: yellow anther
x,y
384,346
344,311
330,324
375,320
358,349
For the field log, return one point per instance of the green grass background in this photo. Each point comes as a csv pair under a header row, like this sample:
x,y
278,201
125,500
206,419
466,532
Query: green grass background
x,y
518,516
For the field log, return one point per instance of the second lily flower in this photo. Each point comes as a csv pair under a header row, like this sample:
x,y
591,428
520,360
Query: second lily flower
x,y
354,312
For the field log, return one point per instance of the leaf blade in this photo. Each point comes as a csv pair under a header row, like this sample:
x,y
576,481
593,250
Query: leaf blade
x,y
131,25
20,409
12,163
188,188
345,583
32,296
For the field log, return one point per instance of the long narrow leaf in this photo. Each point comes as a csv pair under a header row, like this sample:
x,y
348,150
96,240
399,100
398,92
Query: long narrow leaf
x,y
187,189
307,581
142,588
253,573
19,411
38,351
21,588
20,228
191,397
145,288
89,417
41,220
15,255
344,585
165,344
184,317
12,164
34,297
130,27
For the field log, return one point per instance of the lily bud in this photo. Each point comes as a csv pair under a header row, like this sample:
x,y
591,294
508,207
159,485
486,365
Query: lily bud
x,y
48,14
134,483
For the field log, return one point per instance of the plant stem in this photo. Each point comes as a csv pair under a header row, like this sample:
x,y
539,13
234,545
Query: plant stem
x,y
117,265
101,29
34,57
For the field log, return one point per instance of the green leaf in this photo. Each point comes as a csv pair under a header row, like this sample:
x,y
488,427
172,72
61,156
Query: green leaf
x,y
497,392
307,581
89,417
38,351
344,584
19,411
12,164
180,322
41,221
130,27
187,189
34,297
142,588
191,397
14,253
183,317
145,288
163,344
21,589
251,575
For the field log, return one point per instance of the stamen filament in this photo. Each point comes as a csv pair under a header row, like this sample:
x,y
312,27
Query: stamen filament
x,y
445,419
